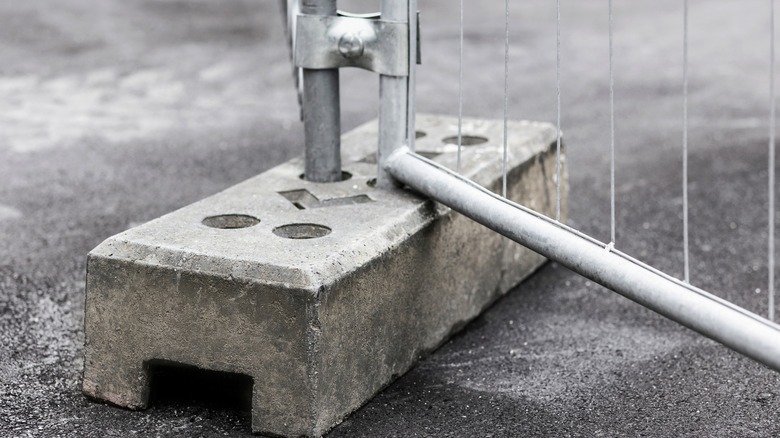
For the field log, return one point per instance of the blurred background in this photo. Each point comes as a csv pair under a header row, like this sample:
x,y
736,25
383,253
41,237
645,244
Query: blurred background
x,y
115,112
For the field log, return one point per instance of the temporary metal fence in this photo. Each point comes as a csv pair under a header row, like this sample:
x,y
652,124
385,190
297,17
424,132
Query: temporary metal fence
x,y
734,327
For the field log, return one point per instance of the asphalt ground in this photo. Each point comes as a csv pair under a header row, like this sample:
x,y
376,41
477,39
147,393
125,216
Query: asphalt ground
x,y
114,113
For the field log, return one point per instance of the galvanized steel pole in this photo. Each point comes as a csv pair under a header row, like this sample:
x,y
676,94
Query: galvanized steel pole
x,y
321,112
720,320
393,96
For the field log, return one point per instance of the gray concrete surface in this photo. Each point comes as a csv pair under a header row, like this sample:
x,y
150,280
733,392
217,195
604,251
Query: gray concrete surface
x,y
321,304
114,113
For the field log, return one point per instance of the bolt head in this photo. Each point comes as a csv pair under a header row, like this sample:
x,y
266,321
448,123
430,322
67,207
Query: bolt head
x,y
351,45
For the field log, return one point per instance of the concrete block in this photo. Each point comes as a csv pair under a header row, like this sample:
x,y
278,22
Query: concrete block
x,y
322,293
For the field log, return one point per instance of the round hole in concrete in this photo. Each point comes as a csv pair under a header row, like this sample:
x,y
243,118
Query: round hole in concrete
x,y
230,221
344,176
466,140
419,134
302,231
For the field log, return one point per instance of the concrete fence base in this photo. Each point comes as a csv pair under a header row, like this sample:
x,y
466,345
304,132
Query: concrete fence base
x,y
322,293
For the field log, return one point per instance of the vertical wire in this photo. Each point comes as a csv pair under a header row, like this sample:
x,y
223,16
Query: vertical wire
x,y
460,87
506,92
685,143
612,124
771,164
558,91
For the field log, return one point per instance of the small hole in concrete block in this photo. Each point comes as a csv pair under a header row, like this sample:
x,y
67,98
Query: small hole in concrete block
x,y
419,134
344,176
466,140
371,182
428,154
188,390
230,221
371,158
302,231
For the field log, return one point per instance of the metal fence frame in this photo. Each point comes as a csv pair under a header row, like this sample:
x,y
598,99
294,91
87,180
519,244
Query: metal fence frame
x,y
718,319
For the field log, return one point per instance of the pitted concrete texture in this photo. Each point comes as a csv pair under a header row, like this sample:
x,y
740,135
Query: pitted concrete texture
x,y
321,293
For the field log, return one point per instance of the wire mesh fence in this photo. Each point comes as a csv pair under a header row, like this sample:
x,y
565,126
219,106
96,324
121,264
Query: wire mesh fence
x,y
664,55
396,160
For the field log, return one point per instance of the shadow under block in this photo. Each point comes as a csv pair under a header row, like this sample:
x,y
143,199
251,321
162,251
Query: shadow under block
x,y
322,293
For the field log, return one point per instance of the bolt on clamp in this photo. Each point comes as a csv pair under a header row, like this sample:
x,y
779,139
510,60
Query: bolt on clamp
x,y
363,41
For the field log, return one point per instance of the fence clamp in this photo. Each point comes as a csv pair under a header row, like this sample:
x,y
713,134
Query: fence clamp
x,y
364,41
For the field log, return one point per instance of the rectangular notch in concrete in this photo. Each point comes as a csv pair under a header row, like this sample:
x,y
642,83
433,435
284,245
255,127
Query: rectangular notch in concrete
x,y
176,383
303,199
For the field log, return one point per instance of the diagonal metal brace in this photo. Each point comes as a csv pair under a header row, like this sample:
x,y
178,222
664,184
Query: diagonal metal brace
x,y
324,42
716,318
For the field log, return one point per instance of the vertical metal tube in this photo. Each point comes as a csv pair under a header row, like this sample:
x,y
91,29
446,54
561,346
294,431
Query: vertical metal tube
x,y
393,95
321,112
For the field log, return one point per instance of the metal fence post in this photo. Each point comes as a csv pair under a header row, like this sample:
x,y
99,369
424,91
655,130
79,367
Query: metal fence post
x,y
321,112
393,96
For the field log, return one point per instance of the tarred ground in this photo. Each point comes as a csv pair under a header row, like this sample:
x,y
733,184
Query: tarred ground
x,y
115,112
